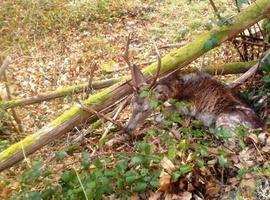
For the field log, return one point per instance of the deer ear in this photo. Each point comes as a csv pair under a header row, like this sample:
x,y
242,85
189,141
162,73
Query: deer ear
x,y
138,79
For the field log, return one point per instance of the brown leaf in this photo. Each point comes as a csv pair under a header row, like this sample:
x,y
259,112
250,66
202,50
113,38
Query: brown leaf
x,y
252,138
155,196
167,165
164,181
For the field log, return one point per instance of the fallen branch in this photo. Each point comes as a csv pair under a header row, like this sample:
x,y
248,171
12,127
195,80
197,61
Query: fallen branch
x,y
172,62
250,72
61,92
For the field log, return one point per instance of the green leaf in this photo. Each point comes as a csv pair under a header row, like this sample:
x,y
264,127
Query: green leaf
x,y
68,176
223,133
215,41
267,79
85,160
172,152
154,184
153,103
148,149
222,160
208,45
265,67
122,165
203,151
184,169
130,179
98,164
137,160
60,155
176,175
145,93
140,187
36,165
200,162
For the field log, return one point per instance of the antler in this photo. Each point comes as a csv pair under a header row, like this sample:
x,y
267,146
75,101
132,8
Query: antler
x,y
137,77
153,84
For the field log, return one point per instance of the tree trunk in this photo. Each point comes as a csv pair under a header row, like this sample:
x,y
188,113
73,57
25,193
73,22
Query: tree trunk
x,y
177,59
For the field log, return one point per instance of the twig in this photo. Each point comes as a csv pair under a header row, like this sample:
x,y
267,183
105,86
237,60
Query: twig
x,y
177,45
250,72
4,65
215,9
158,66
257,44
79,179
90,81
14,114
118,110
100,115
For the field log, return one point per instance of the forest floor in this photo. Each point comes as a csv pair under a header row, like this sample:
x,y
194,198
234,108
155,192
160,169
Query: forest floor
x,y
54,44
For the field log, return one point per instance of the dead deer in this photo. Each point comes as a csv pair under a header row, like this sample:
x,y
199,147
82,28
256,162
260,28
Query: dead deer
x,y
213,102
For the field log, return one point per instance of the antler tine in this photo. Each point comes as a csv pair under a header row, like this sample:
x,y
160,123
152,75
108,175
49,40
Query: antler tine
x,y
158,66
126,54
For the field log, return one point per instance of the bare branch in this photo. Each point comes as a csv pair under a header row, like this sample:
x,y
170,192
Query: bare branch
x,y
250,72
4,65
90,81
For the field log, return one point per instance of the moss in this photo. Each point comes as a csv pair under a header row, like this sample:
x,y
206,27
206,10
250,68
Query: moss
x,y
75,110
17,146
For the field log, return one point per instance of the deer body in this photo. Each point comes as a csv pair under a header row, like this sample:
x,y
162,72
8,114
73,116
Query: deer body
x,y
212,102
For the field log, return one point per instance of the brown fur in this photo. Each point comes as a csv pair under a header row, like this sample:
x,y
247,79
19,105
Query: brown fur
x,y
209,98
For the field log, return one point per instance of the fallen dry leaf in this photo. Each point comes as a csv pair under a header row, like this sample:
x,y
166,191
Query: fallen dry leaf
x,y
167,164
164,182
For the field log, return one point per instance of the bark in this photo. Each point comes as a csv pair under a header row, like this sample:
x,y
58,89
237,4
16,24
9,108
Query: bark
x,y
177,59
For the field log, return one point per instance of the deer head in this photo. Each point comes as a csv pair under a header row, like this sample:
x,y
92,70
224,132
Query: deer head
x,y
140,104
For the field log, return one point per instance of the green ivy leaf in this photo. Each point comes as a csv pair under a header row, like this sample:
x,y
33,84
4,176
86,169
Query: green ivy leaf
x,y
153,103
137,160
130,179
267,79
68,176
265,67
172,152
140,187
145,93
148,149
176,175
184,169
208,45
154,183
223,133
222,160
60,155
85,160
98,164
